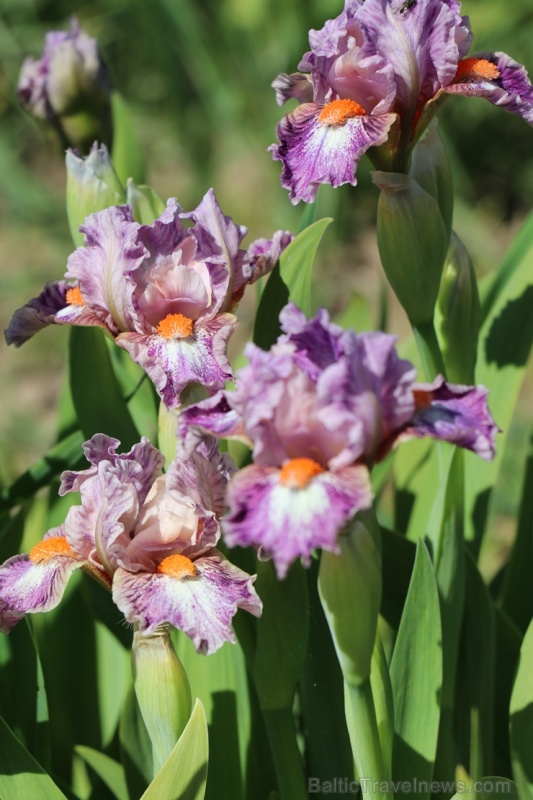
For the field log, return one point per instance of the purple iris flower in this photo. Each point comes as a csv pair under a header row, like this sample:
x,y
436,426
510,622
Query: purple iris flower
x,y
164,291
318,410
146,536
376,75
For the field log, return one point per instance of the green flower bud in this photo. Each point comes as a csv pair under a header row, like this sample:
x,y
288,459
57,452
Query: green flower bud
x,y
163,692
412,242
92,185
349,585
68,87
145,203
460,308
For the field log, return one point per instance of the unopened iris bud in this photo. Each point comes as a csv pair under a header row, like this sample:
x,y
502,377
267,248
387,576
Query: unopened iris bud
x,y
460,308
92,185
350,590
68,87
412,241
162,690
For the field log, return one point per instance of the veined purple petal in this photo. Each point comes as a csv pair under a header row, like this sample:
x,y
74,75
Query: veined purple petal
x,y
511,89
49,308
218,237
211,417
204,475
263,255
29,585
295,86
287,523
165,233
103,267
456,414
318,341
313,152
201,605
172,363
144,462
422,43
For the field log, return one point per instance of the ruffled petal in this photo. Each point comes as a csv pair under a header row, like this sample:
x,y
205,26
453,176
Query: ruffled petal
x,y
175,362
422,42
286,523
218,236
295,86
456,414
103,267
49,308
510,90
28,586
201,605
211,417
203,475
313,153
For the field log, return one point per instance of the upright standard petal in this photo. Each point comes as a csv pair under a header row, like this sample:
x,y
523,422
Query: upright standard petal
x,y
104,266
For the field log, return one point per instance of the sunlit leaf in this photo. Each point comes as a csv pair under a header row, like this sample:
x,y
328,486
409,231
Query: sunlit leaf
x,y
183,776
522,719
290,279
21,777
111,772
417,682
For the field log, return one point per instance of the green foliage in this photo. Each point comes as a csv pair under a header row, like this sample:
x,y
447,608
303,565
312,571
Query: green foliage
x,y
21,776
416,682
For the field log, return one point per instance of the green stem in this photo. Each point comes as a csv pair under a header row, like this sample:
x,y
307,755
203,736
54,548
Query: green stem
x,y
429,349
286,754
364,736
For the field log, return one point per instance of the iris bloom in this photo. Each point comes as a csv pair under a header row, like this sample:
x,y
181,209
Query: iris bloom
x,y
148,537
376,74
319,409
164,291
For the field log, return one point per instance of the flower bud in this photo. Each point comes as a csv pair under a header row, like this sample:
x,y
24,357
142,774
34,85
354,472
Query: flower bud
x,y
162,690
349,585
412,242
92,185
68,87
460,308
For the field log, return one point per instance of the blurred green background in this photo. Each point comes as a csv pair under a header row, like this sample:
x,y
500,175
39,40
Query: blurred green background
x,y
197,76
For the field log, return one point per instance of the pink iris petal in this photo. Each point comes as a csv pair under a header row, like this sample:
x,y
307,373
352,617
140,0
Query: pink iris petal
x,y
203,476
511,90
289,523
104,266
175,362
200,605
313,153
29,586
